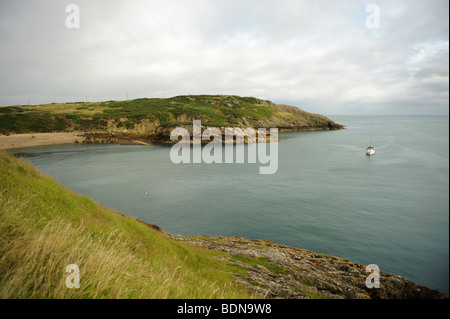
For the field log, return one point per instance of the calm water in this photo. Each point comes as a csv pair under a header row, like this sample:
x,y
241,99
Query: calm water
x,y
391,209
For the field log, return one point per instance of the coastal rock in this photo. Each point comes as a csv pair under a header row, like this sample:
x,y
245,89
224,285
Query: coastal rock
x,y
279,271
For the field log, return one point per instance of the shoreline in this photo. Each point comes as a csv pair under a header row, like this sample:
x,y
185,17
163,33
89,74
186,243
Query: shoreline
x,y
290,272
22,140
300,273
39,139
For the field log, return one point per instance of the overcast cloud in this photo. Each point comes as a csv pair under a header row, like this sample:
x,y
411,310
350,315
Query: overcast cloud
x,y
315,54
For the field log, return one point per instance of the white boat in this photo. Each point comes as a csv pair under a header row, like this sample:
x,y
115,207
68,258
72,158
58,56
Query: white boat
x,y
370,151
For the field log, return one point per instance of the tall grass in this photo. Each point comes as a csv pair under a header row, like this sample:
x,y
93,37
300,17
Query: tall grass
x,y
44,227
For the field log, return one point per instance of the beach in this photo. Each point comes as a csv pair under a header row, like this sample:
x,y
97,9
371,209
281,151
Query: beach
x,y
38,139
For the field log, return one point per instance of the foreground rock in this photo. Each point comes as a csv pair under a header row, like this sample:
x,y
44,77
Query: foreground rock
x,y
279,271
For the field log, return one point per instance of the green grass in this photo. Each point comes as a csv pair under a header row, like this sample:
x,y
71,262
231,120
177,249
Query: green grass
x,y
213,110
311,294
31,122
262,261
44,227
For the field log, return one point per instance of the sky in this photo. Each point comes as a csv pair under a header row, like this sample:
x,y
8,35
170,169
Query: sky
x,y
329,57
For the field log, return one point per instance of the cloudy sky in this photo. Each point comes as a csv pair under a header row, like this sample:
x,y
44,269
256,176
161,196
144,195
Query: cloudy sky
x,y
327,57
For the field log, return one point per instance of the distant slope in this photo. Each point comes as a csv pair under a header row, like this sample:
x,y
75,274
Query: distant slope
x,y
155,116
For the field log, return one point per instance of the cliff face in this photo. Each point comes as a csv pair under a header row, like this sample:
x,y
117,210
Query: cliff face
x,y
279,271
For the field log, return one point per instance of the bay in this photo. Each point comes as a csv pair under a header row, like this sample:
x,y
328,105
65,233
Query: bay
x,y
390,209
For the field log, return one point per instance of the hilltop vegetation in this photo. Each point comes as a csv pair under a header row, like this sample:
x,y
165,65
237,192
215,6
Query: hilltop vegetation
x,y
144,115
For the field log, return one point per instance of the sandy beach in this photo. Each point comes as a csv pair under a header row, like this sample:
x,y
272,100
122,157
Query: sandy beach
x,y
38,139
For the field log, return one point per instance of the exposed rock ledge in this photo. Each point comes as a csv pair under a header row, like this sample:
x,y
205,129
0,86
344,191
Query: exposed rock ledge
x,y
162,135
302,274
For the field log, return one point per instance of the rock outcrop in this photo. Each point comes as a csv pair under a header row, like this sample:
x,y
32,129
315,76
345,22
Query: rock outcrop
x,y
279,271
163,136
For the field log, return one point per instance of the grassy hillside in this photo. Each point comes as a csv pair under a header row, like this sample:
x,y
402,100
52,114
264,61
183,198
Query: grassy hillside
x,y
213,110
44,227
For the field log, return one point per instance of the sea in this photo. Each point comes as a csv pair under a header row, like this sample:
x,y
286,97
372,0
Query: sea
x,y
390,209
